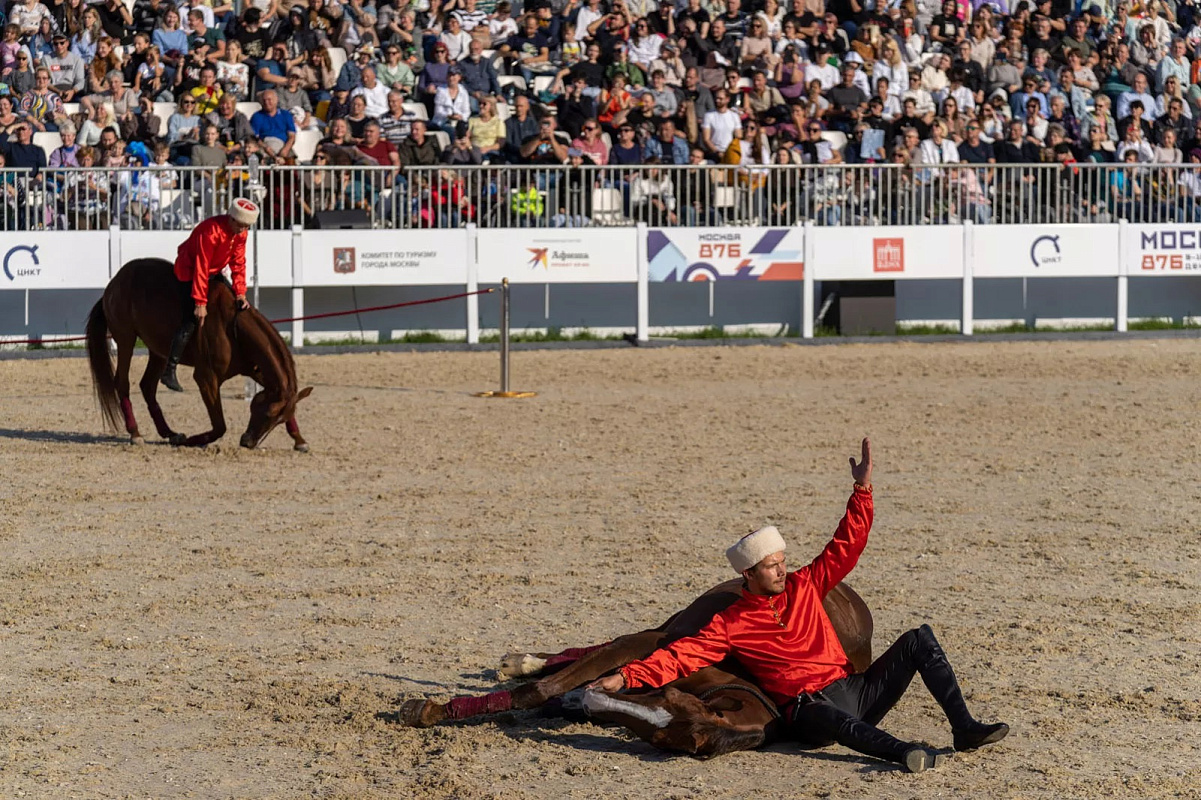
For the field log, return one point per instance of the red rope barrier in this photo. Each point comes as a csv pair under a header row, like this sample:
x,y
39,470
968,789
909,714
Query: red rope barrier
x,y
326,315
382,308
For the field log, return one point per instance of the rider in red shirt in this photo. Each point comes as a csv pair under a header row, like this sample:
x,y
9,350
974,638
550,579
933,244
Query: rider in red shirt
x,y
779,631
215,244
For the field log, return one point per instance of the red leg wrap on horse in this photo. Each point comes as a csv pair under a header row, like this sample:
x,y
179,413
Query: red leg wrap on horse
x,y
292,427
471,705
131,424
571,655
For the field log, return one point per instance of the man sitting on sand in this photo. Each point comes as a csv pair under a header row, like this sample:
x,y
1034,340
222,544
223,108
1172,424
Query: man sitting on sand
x,y
779,631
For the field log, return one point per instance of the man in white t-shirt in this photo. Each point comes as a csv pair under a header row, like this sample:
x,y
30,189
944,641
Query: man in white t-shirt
x,y
822,70
718,128
374,92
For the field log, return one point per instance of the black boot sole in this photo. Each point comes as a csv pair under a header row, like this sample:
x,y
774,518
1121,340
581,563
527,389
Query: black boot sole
x,y
919,759
996,733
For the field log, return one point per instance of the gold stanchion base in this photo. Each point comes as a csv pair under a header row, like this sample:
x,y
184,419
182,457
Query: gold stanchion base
x,y
506,395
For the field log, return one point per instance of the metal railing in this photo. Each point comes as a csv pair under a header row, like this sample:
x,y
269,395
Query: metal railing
x,y
176,198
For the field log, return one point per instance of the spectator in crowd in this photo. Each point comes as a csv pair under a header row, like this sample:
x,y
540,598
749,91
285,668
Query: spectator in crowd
x,y
373,92
452,107
66,68
274,128
518,129
395,124
66,154
233,128
487,132
420,150
667,146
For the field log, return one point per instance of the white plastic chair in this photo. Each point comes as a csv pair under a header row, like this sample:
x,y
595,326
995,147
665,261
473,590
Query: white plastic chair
x,y
164,111
503,112
418,109
337,57
49,141
71,109
837,139
543,83
443,138
306,144
515,80
249,108
606,207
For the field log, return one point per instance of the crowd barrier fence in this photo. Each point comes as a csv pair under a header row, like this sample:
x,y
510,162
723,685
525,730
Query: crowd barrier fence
x,y
517,196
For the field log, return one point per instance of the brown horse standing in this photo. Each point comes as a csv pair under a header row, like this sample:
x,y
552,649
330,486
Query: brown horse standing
x,y
713,711
142,302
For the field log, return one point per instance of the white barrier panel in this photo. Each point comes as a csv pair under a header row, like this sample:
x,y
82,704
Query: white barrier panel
x,y
558,255
1156,250
1045,251
274,252
384,257
64,260
721,254
892,253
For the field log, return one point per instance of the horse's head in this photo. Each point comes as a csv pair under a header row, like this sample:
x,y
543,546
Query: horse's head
x,y
269,408
670,720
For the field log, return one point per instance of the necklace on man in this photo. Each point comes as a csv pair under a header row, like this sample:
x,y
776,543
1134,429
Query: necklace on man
x,y
775,612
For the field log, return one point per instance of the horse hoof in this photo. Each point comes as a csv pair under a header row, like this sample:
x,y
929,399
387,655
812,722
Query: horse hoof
x,y
418,713
177,439
303,447
519,665
136,440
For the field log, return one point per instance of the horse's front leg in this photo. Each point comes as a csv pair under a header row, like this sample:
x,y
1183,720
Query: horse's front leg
x,y
149,386
210,392
421,713
293,429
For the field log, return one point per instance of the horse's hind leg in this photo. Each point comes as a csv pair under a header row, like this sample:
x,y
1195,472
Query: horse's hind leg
x,y
622,650
124,357
210,392
149,387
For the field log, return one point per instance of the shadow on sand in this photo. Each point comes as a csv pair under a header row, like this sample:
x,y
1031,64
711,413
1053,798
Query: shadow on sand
x,y
63,437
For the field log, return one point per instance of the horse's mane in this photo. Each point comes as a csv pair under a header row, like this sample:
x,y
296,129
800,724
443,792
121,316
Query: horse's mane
x,y
259,341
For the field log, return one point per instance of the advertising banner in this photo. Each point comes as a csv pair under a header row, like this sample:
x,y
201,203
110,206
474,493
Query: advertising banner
x,y
63,260
724,254
274,252
1045,251
384,257
893,253
1157,250
558,255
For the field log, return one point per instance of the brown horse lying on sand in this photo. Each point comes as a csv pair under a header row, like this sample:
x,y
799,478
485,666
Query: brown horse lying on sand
x,y
713,711
142,302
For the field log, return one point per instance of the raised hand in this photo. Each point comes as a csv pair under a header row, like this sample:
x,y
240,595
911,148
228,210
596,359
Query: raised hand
x,y
862,472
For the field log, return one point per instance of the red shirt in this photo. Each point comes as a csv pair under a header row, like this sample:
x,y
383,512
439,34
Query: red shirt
x,y
797,654
212,247
382,152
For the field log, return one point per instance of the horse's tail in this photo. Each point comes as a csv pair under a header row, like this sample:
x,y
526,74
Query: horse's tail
x,y
104,379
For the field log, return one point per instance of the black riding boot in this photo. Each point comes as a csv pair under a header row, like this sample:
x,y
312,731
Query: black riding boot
x,y
177,347
940,680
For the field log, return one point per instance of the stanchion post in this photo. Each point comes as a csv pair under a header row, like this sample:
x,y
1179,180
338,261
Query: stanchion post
x,y
504,335
1122,313
505,391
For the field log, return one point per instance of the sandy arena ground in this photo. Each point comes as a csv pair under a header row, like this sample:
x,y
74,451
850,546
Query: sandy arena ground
x,y
223,623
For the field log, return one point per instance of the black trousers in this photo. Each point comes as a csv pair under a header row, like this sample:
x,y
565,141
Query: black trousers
x,y
848,710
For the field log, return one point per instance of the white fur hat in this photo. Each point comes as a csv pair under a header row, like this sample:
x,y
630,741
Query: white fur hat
x,y
754,547
244,211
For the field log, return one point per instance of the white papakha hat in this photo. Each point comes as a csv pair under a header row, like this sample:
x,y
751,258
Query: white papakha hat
x,y
244,211
754,547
